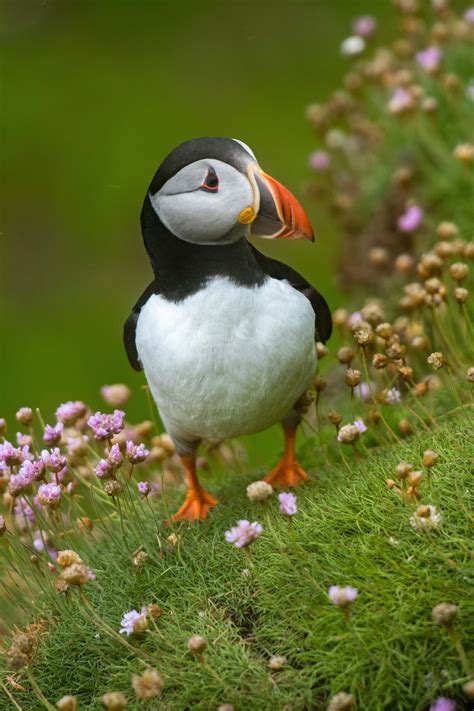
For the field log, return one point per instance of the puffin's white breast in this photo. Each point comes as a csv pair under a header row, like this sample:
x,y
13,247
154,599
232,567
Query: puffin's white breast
x,y
227,360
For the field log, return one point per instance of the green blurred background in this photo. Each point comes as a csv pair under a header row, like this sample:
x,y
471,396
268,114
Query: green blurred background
x,y
95,95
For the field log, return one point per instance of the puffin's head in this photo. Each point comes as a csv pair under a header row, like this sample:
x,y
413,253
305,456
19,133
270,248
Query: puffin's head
x,y
212,191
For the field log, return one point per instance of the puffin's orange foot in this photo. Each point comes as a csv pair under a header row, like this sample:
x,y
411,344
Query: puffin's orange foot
x,y
196,506
286,474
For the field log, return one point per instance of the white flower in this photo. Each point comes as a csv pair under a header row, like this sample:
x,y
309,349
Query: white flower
x,y
352,46
425,518
392,396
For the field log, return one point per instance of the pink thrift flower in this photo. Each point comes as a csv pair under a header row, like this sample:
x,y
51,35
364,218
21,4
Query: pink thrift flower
x,y
342,597
133,622
69,412
136,453
319,161
400,101
360,426
20,483
104,469
115,455
411,219
443,704
104,426
287,504
49,495
354,319
430,58
53,460
244,533
52,434
364,26
392,396
144,488
469,15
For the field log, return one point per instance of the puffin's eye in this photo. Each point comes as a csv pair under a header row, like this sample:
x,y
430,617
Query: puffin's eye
x,y
211,181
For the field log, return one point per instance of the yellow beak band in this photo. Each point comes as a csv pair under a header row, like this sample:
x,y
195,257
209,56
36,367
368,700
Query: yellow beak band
x,y
247,216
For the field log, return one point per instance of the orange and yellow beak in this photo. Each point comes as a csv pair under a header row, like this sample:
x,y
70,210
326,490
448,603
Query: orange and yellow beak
x,y
278,214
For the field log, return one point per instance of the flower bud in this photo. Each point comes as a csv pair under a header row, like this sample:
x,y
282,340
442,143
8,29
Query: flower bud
x,y
259,491
379,361
468,689
444,614
197,644
429,458
277,662
148,685
340,317
353,377
363,333
414,478
403,470
447,230
405,428
459,271
461,295
341,702
436,360
345,355
321,350
335,418
67,703
114,701
24,416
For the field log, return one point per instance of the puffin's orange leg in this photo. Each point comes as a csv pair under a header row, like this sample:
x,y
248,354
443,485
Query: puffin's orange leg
x,y
197,502
287,472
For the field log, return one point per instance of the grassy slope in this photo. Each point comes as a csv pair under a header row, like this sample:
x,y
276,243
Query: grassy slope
x,y
390,655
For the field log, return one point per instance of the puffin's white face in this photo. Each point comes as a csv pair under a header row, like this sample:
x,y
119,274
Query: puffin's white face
x,y
203,202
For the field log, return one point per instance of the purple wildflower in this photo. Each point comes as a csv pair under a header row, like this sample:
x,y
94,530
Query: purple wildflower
x,y
364,26
11,455
23,512
69,412
53,460
52,434
34,469
136,452
144,488
342,597
319,161
24,440
104,426
20,483
411,219
287,503
354,319
244,533
360,425
363,391
469,15
104,469
133,622
115,455
443,704
400,101
49,495
430,58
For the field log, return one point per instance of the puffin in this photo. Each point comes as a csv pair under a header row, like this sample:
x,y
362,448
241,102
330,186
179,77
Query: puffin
x,y
225,335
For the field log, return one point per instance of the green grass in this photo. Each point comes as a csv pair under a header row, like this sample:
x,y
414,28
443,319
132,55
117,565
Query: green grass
x,y
390,654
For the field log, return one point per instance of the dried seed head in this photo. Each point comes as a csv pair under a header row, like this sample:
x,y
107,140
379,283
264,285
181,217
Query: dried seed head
x,y
114,701
259,491
414,478
468,689
402,176
429,104
24,416
319,384
420,389
373,313
341,702
464,152
345,355
226,707
379,361
115,395
16,659
447,230
469,250
444,249
429,458
340,317
144,429
335,418
353,377
112,487
155,611
379,257
406,372
403,470
470,375
444,614
384,330
363,333
140,559
348,434
436,360
404,263
197,644
67,557
277,662
405,428
461,295
433,285
321,350
395,350
148,685
67,703
459,271
76,574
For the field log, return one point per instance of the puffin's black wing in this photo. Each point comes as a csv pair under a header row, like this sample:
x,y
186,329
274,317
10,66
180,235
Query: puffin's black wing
x,y
278,270
130,327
